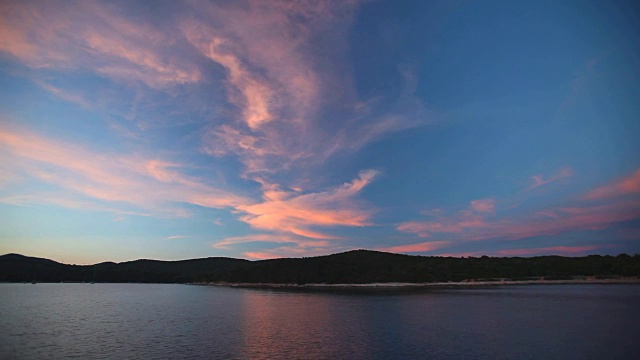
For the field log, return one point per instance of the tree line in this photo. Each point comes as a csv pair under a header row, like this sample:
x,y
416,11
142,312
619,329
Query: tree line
x,y
358,266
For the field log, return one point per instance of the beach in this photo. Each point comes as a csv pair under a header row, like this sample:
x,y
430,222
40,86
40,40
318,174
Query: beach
x,y
466,283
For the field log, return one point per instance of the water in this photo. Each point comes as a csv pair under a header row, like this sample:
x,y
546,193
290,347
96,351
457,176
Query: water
x,y
114,321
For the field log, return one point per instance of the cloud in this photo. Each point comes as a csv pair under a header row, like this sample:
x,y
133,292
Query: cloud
x,y
293,252
174,237
266,49
471,218
124,62
484,205
540,180
553,221
281,84
270,93
68,202
119,180
255,93
256,255
288,245
269,238
134,185
419,247
292,219
626,187
479,222
271,72
92,35
294,213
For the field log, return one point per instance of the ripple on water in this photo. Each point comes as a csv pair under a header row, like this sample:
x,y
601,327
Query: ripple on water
x,y
177,321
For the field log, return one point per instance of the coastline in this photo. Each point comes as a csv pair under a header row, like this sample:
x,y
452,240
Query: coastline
x,y
402,285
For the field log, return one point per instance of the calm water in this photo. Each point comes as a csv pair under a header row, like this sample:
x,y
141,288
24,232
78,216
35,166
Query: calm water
x,y
181,321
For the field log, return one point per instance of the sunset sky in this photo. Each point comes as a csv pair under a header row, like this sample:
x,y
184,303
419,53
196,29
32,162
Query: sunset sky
x,y
260,129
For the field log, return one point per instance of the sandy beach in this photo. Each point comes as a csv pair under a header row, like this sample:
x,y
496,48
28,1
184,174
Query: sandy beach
x,y
397,285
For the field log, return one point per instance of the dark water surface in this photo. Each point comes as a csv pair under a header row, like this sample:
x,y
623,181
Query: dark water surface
x,y
98,321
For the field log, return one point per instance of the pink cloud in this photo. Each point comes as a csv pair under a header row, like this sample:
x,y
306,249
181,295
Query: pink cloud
x,y
134,185
288,245
270,238
293,252
563,220
255,255
484,205
67,202
278,85
278,81
625,187
291,212
255,93
271,74
91,35
420,247
150,184
479,222
540,180
264,49
471,218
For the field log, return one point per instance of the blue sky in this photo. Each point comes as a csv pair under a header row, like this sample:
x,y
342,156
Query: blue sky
x,y
261,129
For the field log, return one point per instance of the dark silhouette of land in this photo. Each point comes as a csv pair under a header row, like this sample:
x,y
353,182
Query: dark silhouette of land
x,y
352,267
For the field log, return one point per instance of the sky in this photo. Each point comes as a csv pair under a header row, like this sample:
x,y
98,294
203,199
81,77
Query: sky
x,y
264,129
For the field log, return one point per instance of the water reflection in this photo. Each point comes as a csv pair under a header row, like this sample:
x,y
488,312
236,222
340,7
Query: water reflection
x,y
296,325
174,321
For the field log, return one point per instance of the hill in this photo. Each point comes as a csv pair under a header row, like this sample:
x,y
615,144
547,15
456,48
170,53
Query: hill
x,y
356,267
19,268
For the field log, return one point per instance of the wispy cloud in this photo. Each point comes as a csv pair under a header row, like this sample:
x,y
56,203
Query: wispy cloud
x,y
295,220
463,227
470,218
174,237
287,245
270,238
419,247
69,202
290,212
134,185
477,223
149,184
484,205
628,186
280,93
279,85
290,251
93,35
540,180
270,99
273,77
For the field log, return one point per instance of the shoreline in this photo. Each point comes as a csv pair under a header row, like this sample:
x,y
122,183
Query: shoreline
x,y
402,285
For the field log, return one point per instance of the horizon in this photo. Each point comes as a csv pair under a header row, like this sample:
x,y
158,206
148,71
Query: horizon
x,y
305,257
267,129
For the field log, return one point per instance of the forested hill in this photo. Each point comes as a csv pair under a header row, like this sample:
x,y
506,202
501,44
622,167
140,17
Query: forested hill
x,y
358,266
19,268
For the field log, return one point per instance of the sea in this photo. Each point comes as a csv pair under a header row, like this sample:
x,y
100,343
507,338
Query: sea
x,y
162,321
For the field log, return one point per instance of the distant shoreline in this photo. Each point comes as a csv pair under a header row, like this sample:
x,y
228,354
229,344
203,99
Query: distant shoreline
x,y
351,269
398,285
